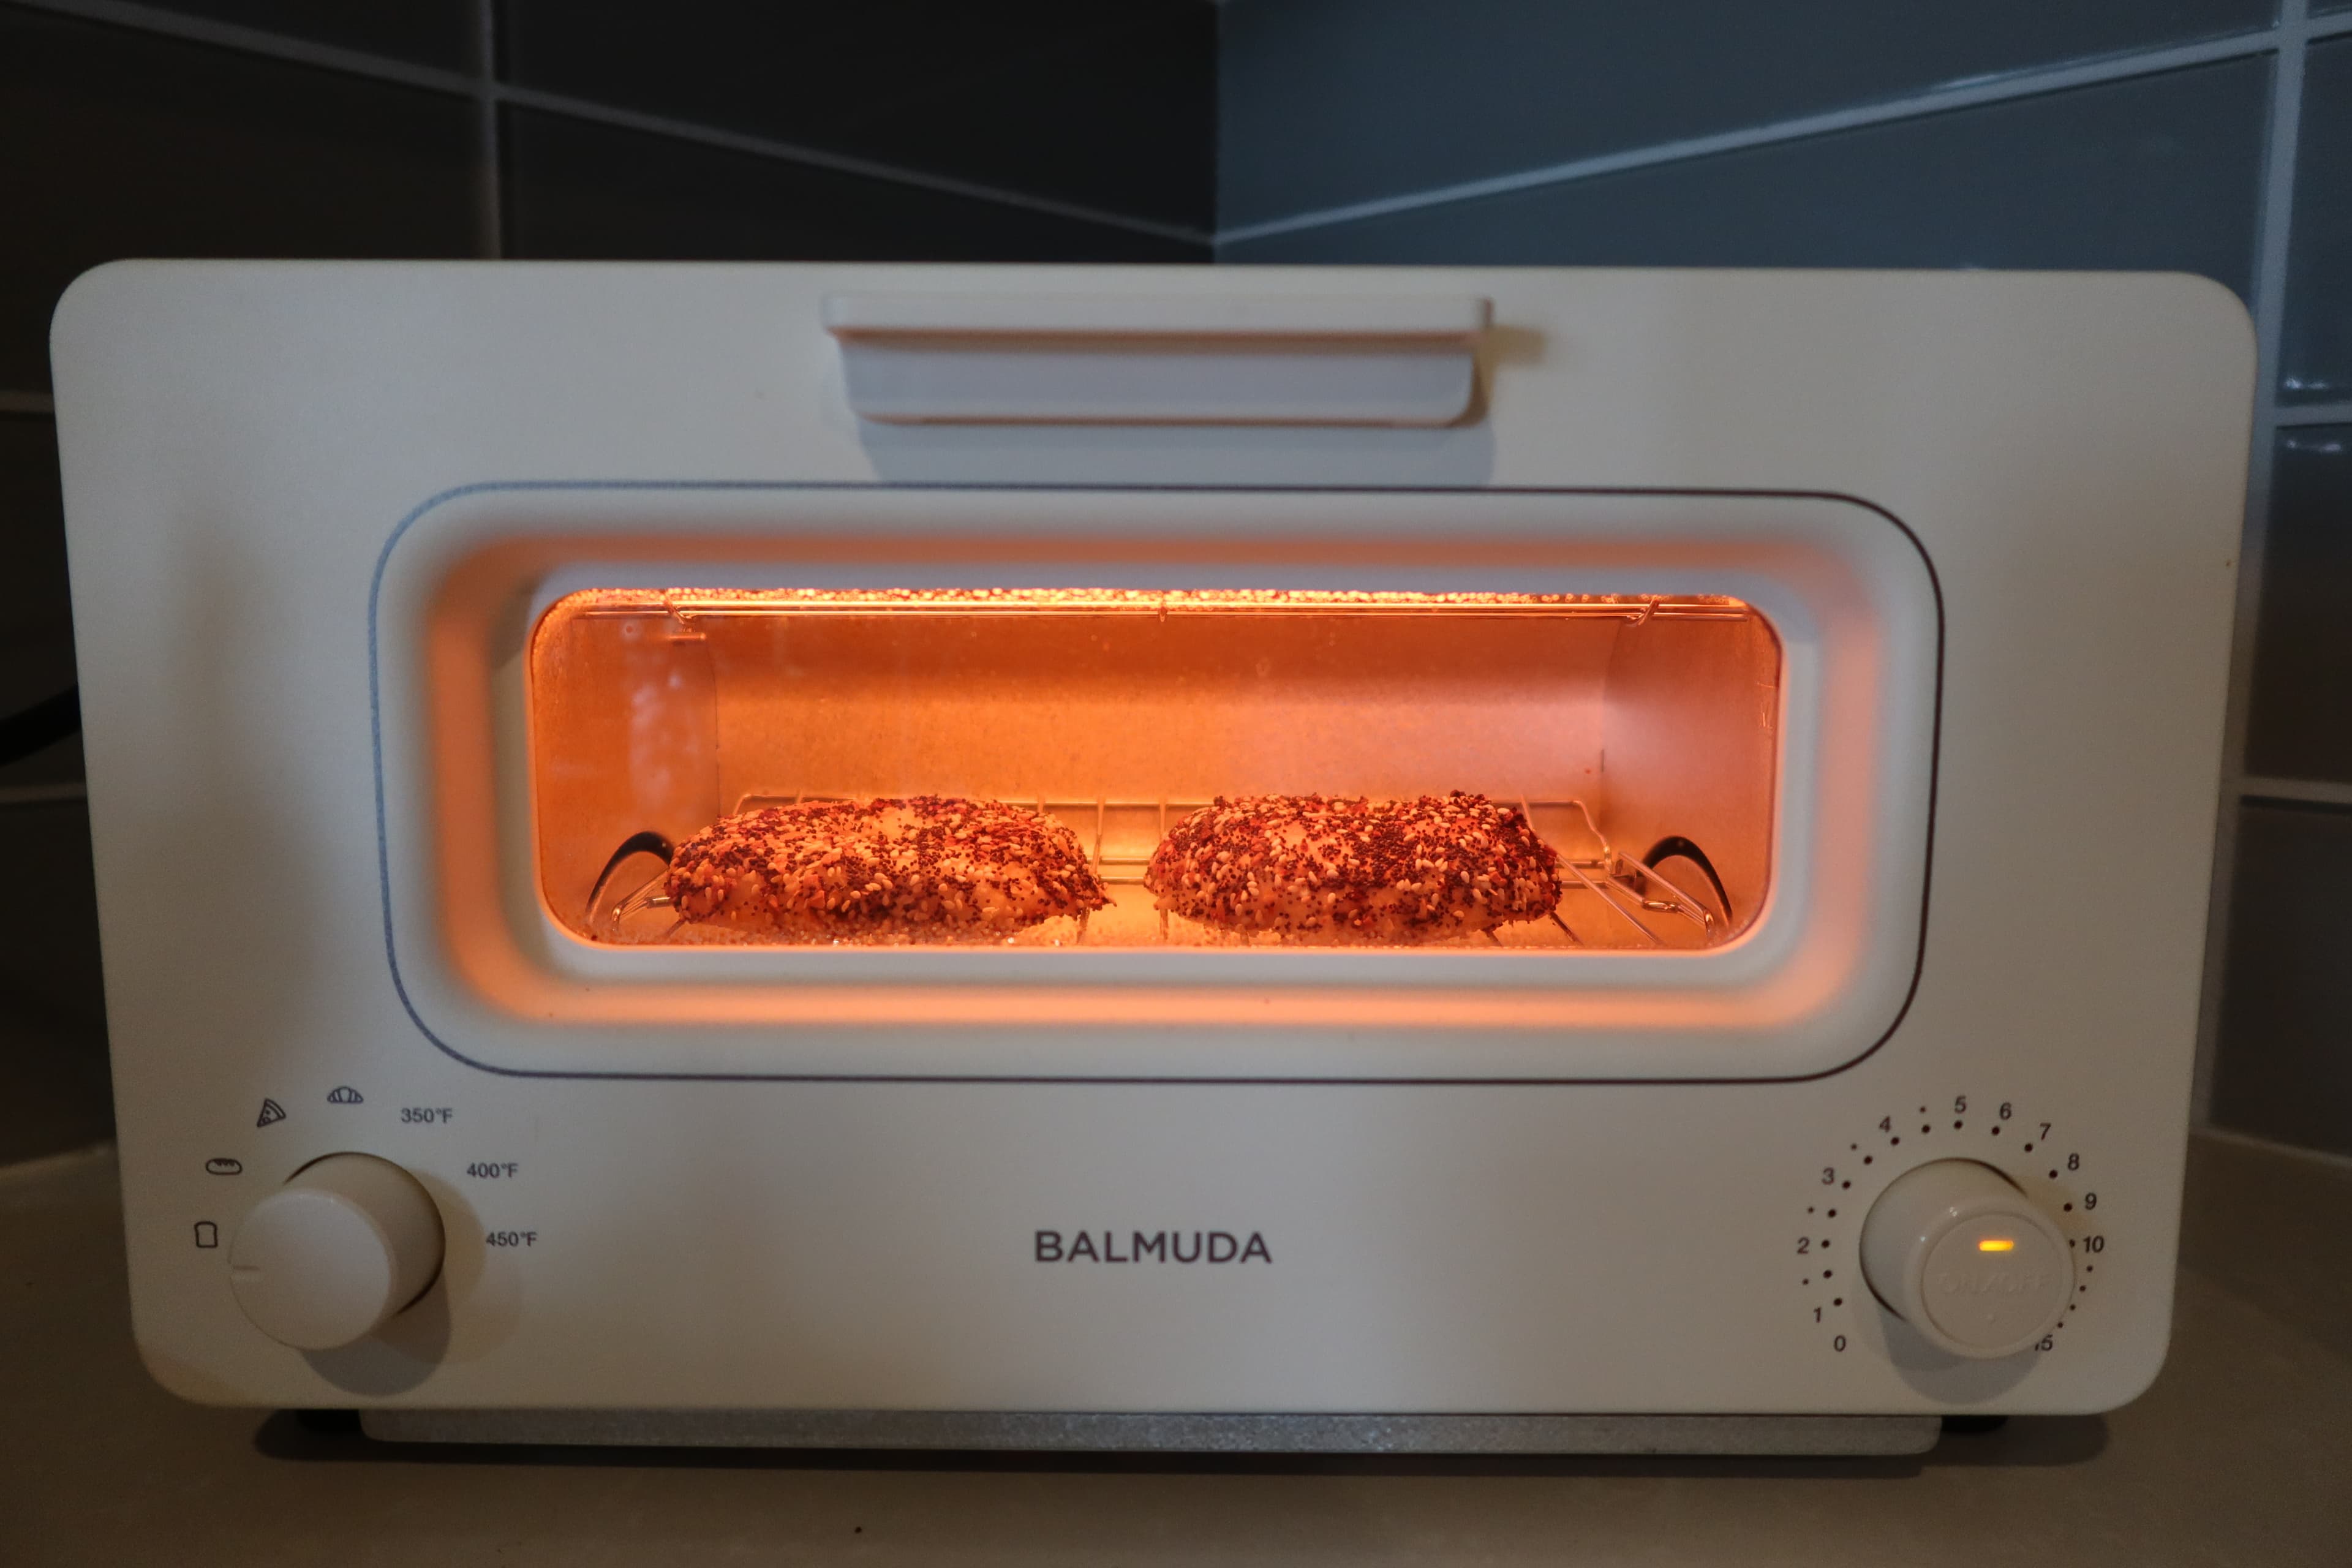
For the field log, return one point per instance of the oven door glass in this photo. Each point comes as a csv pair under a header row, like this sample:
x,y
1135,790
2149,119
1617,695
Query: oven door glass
x,y
1060,768
865,780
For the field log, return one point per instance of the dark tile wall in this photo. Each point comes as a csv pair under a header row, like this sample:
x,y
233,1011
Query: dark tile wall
x,y
53,1092
425,32
1109,106
125,144
2156,172
2316,351
2285,1066
37,655
53,1082
2286,1007
575,190
2299,725
181,133
1324,102
36,624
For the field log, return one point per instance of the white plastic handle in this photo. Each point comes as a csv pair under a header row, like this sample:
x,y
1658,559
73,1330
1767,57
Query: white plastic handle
x,y
1193,359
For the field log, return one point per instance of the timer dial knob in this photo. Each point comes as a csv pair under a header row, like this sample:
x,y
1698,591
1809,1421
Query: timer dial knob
x,y
327,1259
1957,1251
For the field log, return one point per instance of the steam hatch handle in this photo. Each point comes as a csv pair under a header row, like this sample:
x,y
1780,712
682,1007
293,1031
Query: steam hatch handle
x,y
1197,359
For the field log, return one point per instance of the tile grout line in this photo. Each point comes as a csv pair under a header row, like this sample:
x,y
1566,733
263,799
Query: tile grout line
x,y
2307,792
135,17
42,794
2032,82
42,1167
2256,1141
815,158
138,18
489,176
2269,317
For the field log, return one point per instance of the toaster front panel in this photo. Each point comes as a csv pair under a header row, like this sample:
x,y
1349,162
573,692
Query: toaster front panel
x,y
1385,1177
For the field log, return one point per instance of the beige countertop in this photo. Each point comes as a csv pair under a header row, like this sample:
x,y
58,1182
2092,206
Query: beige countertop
x,y
2242,1453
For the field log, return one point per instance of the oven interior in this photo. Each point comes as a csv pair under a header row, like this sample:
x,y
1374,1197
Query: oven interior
x,y
1636,735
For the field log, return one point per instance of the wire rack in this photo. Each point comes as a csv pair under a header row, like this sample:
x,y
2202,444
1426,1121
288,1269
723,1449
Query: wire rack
x,y
1122,833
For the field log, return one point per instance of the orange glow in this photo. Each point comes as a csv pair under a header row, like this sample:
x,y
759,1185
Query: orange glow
x,y
497,852
1615,724
1997,1244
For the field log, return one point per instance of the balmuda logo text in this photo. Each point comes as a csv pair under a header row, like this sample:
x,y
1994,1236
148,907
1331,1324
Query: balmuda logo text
x,y
1152,1247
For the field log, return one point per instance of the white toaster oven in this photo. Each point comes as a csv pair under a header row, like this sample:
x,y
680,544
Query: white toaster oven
x,y
1200,857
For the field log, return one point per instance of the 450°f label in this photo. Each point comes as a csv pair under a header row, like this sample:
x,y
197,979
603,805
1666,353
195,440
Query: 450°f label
x,y
510,1238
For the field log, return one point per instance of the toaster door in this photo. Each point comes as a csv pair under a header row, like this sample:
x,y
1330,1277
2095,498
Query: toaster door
x,y
803,781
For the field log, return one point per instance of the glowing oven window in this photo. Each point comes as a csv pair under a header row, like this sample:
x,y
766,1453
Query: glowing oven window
x,y
1136,768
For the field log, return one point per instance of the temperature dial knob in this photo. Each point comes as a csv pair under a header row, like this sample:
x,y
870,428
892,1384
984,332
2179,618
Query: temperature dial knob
x,y
329,1257
1955,1250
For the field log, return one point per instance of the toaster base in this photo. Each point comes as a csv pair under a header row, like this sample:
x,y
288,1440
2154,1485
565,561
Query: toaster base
x,y
1082,1431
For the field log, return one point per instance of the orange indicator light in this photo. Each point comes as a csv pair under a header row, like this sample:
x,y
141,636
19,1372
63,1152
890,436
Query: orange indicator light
x,y
1996,1244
